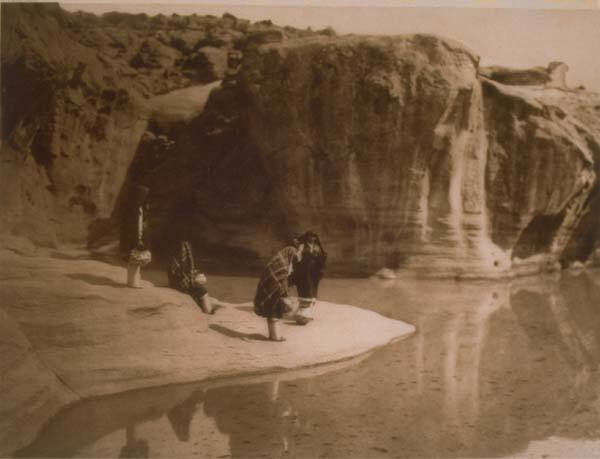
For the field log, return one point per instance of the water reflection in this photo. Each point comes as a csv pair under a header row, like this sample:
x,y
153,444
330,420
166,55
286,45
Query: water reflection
x,y
492,370
180,416
134,447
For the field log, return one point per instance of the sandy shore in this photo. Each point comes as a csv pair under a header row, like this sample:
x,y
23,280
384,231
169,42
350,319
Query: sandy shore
x,y
71,330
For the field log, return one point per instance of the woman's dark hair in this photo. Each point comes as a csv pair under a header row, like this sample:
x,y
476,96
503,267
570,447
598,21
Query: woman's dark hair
x,y
309,235
140,194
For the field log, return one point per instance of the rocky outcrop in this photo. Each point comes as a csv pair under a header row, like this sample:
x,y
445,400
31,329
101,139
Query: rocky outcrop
x,y
31,393
377,132
400,151
397,152
542,171
79,91
554,75
72,119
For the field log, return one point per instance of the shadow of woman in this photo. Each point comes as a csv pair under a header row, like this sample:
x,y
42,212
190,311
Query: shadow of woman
x,y
96,280
237,334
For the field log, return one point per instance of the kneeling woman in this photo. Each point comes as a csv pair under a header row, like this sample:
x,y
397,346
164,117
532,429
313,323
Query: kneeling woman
x,y
271,300
185,278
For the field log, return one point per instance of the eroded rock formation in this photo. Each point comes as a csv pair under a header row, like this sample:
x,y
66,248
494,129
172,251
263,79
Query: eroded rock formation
x,y
399,151
78,93
553,76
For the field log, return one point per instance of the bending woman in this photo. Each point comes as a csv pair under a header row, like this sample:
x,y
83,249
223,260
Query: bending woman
x,y
308,272
186,279
271,300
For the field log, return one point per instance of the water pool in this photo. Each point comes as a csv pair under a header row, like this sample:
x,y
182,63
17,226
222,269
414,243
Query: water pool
x,y
495,369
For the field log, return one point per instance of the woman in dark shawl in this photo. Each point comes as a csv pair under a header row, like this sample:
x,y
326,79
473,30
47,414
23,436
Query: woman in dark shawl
x,y
308,271
185,278
272,290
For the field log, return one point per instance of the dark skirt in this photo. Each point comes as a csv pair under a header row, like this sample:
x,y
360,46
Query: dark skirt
x,y
272,287
307,275
271,310
197,293
181,274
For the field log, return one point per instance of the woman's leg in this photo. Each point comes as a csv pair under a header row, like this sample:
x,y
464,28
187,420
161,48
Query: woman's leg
x,y
200,296
304,314
274,329
206,304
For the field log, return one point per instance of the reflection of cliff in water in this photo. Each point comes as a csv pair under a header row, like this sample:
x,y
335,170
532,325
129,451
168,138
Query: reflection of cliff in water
x,y
511,364
491,368
540,371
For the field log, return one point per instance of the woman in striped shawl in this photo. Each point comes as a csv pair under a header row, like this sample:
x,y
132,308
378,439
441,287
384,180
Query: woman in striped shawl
x,y
185,278
272,291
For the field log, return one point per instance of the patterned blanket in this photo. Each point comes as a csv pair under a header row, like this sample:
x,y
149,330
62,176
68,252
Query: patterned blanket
x,y
273,286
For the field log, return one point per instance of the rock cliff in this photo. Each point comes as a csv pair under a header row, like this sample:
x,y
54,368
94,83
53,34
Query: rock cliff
x,y
400,151
78,94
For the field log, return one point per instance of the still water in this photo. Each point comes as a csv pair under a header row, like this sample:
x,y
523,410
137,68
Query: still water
x,y
494,370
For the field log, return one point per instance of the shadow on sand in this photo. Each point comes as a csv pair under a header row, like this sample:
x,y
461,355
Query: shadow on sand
x,y
96,280
236,334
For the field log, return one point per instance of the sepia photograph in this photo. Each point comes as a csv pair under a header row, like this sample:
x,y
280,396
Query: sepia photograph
x,y
300,229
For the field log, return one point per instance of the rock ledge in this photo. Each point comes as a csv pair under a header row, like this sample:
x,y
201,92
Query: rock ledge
x,y
72,331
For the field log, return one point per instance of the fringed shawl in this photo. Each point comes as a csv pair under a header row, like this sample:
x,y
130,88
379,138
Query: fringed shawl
x,y
273,285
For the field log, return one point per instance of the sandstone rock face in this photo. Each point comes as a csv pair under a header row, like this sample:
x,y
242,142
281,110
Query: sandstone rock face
x,y
399,151
398,154
542,172
71,123
554,75
79,91
377,138
31,392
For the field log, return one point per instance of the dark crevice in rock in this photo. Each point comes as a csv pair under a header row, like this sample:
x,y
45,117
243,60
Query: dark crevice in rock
x,y
586,235
537,237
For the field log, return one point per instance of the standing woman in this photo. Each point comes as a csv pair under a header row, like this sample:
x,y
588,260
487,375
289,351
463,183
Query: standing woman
x,y
133,217
185,278
271,300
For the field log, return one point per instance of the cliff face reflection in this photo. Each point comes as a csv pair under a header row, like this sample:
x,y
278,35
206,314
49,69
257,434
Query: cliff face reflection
x,y
492,369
